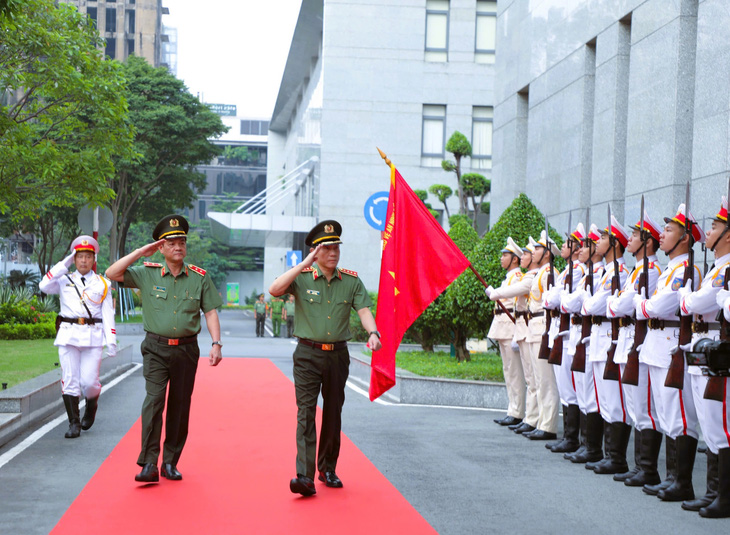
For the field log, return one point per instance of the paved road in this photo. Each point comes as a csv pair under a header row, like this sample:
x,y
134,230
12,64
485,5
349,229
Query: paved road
x,y
463,473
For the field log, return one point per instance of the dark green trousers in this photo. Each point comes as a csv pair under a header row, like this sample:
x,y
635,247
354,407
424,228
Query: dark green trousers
x,y
316,370
165,365
276,325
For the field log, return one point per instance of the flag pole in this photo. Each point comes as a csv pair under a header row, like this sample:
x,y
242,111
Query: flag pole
x,y
389,163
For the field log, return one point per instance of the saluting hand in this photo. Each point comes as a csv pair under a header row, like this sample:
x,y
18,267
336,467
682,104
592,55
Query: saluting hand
x,y
311,257
151,248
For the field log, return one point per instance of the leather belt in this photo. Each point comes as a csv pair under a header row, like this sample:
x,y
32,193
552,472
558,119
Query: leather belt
x,y
657,324
539,314
598,320
334,346
172,341
626,321
555,313
80,321
700,327
576,319
521,314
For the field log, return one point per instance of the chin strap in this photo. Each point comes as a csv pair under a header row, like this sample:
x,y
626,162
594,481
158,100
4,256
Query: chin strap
x,y
719,238
678,242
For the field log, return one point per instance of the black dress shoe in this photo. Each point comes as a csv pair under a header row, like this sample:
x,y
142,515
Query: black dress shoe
x,y
508,420
330,479
539,434
148,474
169,471
523,428
302,485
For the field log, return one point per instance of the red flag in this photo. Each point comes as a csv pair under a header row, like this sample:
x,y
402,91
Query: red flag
x,y
419,262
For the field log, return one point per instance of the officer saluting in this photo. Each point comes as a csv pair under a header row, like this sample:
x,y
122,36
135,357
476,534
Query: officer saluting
x,y
324,295
173,295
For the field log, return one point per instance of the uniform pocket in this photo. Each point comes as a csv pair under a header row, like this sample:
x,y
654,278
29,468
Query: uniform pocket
x,y
158,298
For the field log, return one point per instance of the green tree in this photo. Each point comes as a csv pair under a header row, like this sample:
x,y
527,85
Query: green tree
x,y
460,147
473,186
172,135
443,192
62,109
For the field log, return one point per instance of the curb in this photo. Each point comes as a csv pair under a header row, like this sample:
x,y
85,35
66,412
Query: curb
x,y
23,406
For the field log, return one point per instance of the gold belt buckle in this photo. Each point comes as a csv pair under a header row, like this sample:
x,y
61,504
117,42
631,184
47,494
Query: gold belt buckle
x,y
173,341
328,347
81,321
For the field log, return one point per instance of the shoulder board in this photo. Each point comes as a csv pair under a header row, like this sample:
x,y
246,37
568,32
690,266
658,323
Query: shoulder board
x,y
152,264
308,269
196,269
349,272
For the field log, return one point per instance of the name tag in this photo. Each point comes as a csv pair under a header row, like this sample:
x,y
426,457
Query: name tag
x,y
313,292
159,289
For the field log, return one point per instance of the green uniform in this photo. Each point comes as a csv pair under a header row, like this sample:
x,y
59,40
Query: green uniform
x,y
322,314
289,307
171,309
277,306
260,308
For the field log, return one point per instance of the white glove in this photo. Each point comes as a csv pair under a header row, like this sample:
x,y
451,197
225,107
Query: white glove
x,y
488,290
685,290
111,350
69,259
721,297
514,345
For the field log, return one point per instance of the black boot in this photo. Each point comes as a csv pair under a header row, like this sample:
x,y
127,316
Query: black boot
x,y
682,488
671,462
582,447
637,456
620,435
72,410
651,443
606,447
571,424
90,413
550,445
594,440
712,484
720,508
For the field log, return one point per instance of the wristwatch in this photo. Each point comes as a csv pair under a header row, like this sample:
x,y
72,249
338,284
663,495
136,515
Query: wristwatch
x,y
217,342
376,333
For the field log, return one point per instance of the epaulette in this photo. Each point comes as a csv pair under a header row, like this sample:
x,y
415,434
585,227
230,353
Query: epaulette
x,y
349,272
196,269
305,270
152,264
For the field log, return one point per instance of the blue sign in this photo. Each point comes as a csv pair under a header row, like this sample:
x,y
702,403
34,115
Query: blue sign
x,y
376,210
293,258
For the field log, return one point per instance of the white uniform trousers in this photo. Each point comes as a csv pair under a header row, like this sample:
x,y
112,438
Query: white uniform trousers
x,y
80,371
564,379
585,389
639,402
675,407
514,379
611,396
714,416
531,412
548,399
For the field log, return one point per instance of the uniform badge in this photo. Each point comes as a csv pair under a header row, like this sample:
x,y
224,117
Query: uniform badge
x,y
313,292
160,289
607,284
329,229
174,223
676,284
636,285
718,281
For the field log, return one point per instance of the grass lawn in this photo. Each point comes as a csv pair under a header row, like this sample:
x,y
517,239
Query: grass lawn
x,y
130,318
24,359
482,367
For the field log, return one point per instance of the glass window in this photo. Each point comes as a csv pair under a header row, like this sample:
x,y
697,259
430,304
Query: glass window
x,y
130,47
486,31
91,13
481,135
201,209
437,30
111,19
245,127
434,124
131,21
111,47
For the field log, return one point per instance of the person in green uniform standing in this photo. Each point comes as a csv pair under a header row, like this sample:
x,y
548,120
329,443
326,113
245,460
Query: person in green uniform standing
x,y
260,307
324,295
277,314
173,295
289,316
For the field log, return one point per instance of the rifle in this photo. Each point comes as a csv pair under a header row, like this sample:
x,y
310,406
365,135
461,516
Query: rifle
x,y
579,359
556,353
631,371
545,342
675,375
612,372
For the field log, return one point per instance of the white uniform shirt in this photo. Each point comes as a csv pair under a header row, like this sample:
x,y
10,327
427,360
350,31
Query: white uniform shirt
x,y
596,306
663,305
519,291
502,327
92,292
573,302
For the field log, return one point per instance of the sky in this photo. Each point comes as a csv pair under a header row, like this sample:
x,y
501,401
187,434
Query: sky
x,y
233,51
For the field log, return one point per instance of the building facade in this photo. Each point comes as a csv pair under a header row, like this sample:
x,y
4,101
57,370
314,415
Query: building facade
x,y
601,101
128,27
361,74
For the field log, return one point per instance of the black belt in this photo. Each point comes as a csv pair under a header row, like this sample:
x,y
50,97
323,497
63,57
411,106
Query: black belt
x,y
80,321
172,341
657,324
531,315
521,314
626,321
598,320
554,313
576,319
700,327
334,346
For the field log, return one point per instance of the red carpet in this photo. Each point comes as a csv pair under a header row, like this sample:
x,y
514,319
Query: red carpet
x,y
236,465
